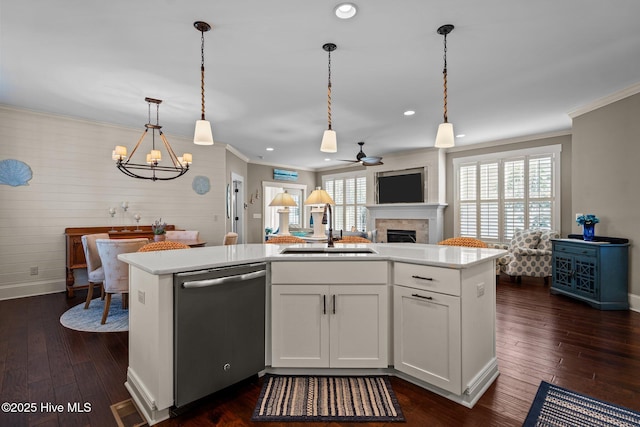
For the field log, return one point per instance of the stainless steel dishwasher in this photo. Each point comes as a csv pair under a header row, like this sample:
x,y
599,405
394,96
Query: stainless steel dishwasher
x,y
219,329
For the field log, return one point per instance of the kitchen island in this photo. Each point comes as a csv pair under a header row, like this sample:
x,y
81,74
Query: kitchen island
x,y
425,313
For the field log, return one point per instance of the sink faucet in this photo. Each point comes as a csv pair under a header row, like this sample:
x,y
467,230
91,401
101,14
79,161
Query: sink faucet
x,y
324,221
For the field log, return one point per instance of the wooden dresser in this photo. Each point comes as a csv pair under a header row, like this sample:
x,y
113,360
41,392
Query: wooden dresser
x,y
75,251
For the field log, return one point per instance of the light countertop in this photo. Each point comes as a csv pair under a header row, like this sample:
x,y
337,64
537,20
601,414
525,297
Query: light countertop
x,y
175,261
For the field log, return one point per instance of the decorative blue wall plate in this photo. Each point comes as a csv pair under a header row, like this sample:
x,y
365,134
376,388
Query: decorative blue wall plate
x,y
14,172
201,184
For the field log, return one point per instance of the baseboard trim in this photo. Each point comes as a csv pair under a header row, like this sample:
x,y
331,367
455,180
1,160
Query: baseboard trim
x,y
31,289
634,302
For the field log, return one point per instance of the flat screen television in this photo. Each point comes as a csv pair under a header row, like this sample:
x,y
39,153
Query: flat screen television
x,y
405,188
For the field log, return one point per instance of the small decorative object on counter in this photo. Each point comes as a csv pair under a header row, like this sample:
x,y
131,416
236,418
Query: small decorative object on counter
x,y
159,230
588,223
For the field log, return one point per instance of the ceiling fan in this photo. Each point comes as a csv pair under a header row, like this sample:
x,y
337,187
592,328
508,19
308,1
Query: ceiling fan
x,y
364,159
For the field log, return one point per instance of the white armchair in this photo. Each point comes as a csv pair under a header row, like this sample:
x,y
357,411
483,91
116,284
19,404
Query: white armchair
x,y
116,272
529,254
182,234
95,272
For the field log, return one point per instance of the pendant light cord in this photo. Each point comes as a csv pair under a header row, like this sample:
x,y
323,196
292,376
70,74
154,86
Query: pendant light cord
x,y
444,74
202,70
329,94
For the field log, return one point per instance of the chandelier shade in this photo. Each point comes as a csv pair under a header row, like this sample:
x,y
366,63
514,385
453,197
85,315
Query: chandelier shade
x,y
151,168
445,137
202,134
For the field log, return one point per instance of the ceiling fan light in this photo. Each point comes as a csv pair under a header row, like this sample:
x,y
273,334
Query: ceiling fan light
x,y
203,135
445,137
329,142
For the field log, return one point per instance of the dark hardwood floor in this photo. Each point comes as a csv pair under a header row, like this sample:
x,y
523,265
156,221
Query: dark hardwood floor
x,y
539,337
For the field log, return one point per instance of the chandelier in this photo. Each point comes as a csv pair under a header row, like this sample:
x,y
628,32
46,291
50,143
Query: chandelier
x,y
151,168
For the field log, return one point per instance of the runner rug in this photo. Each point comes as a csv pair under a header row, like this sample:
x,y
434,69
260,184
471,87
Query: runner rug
x,y
556,406
327,398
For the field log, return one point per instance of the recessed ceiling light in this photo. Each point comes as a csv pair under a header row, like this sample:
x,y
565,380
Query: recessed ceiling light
x,y
327,160
346,10
461,135
269,148
409,113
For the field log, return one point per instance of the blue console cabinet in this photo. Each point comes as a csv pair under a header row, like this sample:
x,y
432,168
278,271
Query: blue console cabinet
x,y
595,272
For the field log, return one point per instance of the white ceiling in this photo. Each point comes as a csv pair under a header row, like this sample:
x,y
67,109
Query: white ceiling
x,y
516,68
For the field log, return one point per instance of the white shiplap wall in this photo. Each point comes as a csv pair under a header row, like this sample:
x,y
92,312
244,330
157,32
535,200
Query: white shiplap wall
x,y
75,182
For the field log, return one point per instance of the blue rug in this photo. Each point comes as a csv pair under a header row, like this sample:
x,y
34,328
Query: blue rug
x,y
79,319
557,406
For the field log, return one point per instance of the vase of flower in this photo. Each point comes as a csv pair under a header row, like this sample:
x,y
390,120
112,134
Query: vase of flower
x,y
588,231
159,230
588,223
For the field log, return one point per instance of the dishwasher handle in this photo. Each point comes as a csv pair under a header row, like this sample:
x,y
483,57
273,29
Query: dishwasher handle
x,y
222,280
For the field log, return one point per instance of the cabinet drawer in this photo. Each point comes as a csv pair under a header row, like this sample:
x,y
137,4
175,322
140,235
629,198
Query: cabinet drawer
x,y
580,249
436,279
334,272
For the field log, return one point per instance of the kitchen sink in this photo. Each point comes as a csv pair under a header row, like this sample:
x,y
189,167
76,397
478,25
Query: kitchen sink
x,y
334,250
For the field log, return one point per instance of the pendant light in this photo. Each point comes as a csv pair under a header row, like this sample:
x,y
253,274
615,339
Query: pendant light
x,y
329,141
445,137
202,134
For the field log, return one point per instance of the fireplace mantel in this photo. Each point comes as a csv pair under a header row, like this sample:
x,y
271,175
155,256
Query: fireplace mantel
x,y
432,212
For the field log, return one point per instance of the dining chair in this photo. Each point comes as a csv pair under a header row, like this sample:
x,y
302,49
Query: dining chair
x,y
353,239
95,272
469,242
163,246
182,235
116,272
230,238
285,239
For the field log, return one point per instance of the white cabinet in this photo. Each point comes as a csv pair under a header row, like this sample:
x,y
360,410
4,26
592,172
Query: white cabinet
x,y
444,327
340,323
427,336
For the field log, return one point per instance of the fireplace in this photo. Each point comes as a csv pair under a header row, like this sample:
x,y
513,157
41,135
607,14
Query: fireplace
x,y
401,236
425,218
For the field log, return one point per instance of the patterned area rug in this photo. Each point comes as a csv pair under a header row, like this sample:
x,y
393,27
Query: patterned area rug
x,y
556,406
326,398
79,319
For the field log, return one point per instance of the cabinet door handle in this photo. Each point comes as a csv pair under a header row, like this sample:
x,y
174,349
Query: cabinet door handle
x,y
421,296
334,304
422,278
324,304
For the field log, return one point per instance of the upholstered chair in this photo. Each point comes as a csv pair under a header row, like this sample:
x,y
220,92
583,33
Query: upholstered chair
x,y
285,239
163,246
230,238
116,272
95,272
529,254
182,235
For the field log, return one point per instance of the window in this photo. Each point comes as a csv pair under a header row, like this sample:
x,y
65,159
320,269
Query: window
x,y
499,193
271,218
349,192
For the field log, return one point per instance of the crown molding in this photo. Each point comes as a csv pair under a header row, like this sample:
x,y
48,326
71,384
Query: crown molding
x,y
606,100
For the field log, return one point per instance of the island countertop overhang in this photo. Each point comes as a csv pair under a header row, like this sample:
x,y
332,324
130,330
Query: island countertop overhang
x,y
176,261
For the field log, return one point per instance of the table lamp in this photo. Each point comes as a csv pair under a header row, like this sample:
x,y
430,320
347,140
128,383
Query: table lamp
x,y
283,200
318,199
